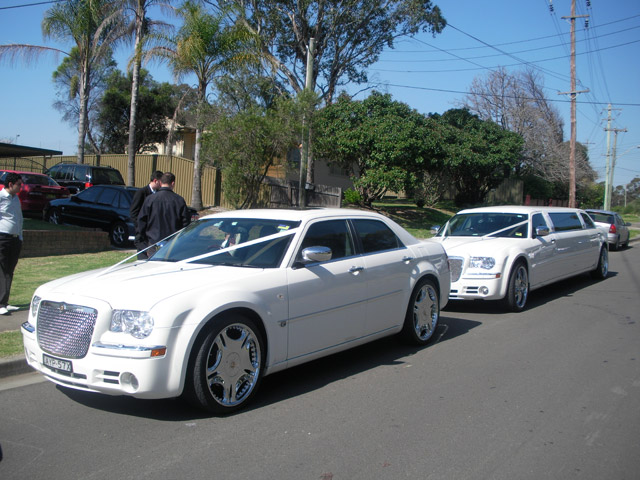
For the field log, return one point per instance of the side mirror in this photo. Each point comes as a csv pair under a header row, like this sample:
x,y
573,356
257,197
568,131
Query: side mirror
x,y
435,229
542,231
627,224
316,255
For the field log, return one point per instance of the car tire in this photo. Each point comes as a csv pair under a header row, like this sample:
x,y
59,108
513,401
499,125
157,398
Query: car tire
x,y
423,313
54,216
602,269
616,246
226,365
119,234
518,288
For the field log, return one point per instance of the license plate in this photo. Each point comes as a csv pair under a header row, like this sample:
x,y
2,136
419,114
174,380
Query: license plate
x,y
57,363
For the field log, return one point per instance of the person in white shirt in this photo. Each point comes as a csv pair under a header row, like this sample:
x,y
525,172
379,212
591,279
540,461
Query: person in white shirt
x,y
10,237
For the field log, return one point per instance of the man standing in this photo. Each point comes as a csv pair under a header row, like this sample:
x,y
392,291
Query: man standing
x,y
164,213
136,206
10,237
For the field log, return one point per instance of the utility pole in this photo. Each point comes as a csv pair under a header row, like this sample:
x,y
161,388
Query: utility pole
x,y
611,162
573,93
306,169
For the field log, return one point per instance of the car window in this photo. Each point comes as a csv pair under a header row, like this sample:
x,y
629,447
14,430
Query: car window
x,y
109,197
79,174
34,179
333,234
601,217
587,220
538,220
495,224
375,236
90,194
208,242
563,221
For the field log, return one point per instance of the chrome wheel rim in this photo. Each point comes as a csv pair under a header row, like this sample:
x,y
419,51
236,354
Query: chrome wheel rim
x,y
54,217
521,286
604,262
233,365
425,312
118,235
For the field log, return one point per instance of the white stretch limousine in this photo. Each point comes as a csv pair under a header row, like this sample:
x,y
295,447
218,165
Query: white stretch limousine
x,y
506,251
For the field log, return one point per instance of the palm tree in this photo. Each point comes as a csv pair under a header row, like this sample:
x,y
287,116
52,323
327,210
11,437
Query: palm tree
x,y
142,25
94,27
205,46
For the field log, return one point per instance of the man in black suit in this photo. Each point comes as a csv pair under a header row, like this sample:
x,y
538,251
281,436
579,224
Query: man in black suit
x,y
136,206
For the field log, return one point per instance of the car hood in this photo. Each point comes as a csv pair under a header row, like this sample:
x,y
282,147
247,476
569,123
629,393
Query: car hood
x,y
141,285
477,245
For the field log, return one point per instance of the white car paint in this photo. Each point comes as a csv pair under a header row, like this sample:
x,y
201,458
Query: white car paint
x,y
305,312
549,258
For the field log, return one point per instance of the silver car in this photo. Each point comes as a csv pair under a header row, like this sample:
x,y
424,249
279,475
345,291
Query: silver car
x,y
616,228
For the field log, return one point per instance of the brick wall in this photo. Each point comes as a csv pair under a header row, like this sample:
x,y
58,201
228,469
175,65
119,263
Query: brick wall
x,y
42,243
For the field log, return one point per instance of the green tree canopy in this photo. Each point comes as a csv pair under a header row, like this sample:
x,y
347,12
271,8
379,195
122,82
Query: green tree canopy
x,y
479,154
156,103
381,141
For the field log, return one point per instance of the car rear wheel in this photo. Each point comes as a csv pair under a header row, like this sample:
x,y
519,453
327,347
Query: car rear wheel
x,y
602,270
518,289
423,313
54,216
226,366
119,234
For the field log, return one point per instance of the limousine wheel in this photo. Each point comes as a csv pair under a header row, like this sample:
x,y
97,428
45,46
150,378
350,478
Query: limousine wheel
x,y
227,365
602,270
423,313
518,290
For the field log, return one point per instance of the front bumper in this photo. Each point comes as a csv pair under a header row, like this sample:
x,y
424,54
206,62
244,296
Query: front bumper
x,y
485,287
142,371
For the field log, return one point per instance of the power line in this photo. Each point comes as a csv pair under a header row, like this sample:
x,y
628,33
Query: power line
x,y
31,4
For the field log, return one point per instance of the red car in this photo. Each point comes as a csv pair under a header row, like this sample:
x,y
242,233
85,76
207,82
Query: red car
x,y
37,190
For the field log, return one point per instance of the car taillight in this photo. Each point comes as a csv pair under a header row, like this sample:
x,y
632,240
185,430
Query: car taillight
x,y
88,184
612,228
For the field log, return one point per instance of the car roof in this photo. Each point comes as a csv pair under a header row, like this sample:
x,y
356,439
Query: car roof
x,y
295,214
595,210
83,165
21,172
523,209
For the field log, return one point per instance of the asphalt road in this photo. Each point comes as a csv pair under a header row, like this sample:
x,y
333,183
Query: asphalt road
x,y
549,393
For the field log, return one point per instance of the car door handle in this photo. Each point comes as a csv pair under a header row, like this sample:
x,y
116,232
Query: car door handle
x,y
407,259
356,270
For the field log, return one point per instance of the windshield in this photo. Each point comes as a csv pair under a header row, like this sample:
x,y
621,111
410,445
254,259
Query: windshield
x,y
242,242
486,224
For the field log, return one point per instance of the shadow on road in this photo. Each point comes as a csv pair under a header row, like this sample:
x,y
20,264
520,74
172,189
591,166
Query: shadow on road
x,y
286,384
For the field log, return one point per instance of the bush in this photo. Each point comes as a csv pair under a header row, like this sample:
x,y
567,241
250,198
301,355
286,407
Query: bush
x,y
352,197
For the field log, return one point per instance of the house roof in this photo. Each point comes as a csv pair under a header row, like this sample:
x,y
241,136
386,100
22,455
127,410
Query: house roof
x,y
11,150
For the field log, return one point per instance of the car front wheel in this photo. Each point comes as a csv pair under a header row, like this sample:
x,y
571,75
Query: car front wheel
x,y
119,234
54,216
423,313
227,365
518,289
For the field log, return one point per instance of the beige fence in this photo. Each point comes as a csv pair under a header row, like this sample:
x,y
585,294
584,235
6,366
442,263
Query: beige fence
x,y
182,168
271,195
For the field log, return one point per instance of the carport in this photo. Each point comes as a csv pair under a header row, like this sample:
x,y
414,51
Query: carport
x,y
22,154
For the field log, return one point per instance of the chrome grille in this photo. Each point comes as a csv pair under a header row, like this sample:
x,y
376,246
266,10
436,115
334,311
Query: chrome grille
x,y
65,330
455,266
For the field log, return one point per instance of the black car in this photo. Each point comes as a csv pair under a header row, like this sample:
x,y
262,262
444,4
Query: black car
x,y
76,177
101,206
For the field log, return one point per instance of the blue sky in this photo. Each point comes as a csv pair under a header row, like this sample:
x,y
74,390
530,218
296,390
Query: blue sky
x,y
430,74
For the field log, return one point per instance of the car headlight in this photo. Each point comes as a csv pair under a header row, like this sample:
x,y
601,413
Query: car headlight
x,y
35,304
135,323
482,262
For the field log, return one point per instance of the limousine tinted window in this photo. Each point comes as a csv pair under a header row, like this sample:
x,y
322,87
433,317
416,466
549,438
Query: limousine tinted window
x,y
563,221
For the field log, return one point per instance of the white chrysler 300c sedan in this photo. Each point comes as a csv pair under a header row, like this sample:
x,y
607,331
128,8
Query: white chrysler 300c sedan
x,y
504,252
233,297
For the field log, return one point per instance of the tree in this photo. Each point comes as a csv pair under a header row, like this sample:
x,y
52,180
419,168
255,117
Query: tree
x,y
93,27
383,142
204,46
142,26
517,103
246,144
349,35
66,81
156,103
479,154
